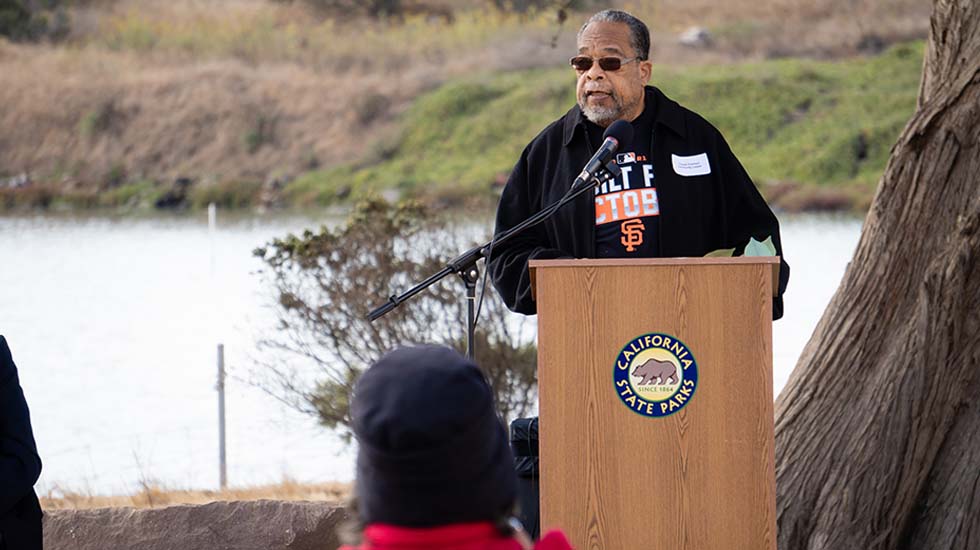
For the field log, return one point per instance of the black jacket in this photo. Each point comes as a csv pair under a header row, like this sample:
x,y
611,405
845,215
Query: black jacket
x,y
698,214
20,465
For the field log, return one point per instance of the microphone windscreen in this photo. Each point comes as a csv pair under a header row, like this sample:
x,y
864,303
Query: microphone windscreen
x,y
621,131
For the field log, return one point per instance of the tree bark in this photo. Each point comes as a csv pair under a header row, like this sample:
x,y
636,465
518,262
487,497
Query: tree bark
x,y
878,429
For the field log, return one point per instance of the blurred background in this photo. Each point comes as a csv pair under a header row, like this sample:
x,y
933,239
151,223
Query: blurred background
x,y
122,120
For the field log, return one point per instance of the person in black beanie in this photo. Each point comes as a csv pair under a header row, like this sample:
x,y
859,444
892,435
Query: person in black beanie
x,y
20,465
434,468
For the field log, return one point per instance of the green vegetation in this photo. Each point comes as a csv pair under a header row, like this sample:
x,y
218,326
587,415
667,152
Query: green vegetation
x,y
134,195
226,194
138,194
826,124
813,134
454,141
804,121
259,134
15,20
26,20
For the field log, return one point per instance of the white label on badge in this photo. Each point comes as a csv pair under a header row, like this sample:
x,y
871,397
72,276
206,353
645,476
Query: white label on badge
x,y
696,165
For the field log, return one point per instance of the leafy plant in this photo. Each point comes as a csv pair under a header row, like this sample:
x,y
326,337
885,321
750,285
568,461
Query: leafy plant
x,y
261,132
326,282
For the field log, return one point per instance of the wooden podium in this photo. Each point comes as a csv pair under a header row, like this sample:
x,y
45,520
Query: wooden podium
x,y
694,470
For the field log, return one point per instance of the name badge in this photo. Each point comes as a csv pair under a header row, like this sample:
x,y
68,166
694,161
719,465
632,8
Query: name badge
x,y
696,165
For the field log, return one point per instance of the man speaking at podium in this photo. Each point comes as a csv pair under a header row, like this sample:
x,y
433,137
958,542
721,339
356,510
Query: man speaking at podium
x,y
681,193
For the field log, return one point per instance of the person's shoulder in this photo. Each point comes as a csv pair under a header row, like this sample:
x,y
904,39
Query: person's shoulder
x,y
553,135
553,540
6,360
555,130
684,120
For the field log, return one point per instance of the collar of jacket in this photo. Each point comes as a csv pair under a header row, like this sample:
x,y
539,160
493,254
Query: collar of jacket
x,y
457,535
669,114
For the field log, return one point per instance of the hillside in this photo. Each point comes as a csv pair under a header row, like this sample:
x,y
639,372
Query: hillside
x,y
254,102
816,134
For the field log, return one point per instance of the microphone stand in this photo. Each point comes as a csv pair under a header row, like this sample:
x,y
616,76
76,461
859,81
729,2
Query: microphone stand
x,y
464,265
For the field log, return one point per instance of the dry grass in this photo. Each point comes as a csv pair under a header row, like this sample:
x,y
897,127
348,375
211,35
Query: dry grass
x,y
249,90
794,197
262,32
225,90
153,496
77,116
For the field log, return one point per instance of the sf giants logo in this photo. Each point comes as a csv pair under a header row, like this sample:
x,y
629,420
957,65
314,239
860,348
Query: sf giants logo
x,y
632,234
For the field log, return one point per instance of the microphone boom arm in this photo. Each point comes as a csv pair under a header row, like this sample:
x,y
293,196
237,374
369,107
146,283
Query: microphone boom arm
x,y
464,265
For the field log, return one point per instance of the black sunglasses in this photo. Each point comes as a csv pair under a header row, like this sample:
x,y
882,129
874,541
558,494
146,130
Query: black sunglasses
x,y
583,63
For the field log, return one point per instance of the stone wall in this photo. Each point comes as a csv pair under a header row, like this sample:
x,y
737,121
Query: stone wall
x,y
253,525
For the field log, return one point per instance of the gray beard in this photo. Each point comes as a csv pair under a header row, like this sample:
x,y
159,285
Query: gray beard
x,y
603,116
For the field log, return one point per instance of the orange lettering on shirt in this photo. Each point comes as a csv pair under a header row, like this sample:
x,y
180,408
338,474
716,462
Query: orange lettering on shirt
x,y
624,205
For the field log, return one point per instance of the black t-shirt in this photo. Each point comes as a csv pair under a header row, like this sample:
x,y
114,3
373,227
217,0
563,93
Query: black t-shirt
x,y
627,209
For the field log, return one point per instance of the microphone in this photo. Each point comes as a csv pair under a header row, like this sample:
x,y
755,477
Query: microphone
x,y
618,133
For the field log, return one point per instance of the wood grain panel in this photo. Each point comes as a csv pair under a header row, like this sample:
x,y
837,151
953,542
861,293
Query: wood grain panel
x,y
702,478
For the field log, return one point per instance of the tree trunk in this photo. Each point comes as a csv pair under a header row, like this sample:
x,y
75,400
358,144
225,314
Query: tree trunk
x,y
878,429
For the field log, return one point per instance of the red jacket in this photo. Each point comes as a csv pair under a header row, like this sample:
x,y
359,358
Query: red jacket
x,y
460,536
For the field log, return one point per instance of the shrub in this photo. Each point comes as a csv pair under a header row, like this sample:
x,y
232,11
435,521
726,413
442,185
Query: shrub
x,y
326,282
226,194
261,132
26,20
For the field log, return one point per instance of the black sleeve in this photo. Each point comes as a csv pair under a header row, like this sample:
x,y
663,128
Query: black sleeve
x,y
508,261
20,466
748,215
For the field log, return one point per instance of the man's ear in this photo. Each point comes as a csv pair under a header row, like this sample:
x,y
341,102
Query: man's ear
x,y
646,70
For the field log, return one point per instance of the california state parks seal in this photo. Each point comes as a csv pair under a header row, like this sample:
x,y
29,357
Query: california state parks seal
x,y
655,375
